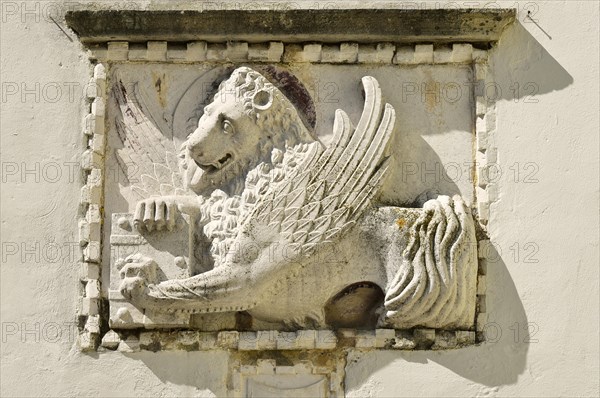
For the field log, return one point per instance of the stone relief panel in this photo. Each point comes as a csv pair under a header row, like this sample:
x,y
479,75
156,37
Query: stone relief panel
x,y
289,197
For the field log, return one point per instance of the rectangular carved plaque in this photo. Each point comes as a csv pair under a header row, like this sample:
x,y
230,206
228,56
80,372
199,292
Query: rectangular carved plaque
x,y
269,183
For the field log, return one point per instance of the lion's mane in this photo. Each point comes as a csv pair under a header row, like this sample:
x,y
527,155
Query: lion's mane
x,y
223,214
287,142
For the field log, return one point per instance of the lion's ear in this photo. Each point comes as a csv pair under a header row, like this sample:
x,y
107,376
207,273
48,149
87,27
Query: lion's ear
x,y
262,100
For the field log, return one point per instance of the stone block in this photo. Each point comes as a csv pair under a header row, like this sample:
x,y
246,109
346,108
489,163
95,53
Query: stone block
x,y
444,339
99,72
207,340
275,51
98,107
462,52
92,324
237,51
150,341
303,367
228,340
111,340
118,50
311,53
286,341
157,51
92,289
248,341
404,341
483,209
89,306
405,55
196,51
423,54
481,322
326,340
384,337
285,370
266,339
92,252
480,105
424,338
265,52
365,339
442,55
306,339
89,271
480,56
484,248
465,337
98,144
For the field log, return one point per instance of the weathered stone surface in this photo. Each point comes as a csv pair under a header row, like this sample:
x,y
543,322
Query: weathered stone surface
x,y
444,339
328,25
111,340
159,279
228,340
157,265
424,338
465,337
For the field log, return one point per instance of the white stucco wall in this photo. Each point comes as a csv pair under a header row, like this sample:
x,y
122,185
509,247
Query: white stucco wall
x,y
544,226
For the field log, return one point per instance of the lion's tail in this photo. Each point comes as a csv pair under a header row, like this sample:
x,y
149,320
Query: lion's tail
x,y
436,284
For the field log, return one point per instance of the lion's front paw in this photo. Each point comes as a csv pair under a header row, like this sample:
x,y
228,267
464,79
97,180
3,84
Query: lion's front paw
x,y
134,289
156,214
138,265
137,272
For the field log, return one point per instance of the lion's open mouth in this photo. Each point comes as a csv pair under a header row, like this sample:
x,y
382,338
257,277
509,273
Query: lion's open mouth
x,y
216,166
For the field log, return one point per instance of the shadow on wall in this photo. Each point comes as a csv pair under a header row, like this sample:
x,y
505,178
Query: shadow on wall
x,y
419,174
522,69
508,333
185,374
498,361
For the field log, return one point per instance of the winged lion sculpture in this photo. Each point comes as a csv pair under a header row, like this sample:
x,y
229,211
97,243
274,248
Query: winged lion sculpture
x,y
294,225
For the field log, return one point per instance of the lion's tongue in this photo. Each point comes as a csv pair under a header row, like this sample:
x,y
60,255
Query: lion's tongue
x,y
196,177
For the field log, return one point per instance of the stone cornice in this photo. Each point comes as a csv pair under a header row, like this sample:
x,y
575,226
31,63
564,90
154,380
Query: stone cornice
x,y
293,26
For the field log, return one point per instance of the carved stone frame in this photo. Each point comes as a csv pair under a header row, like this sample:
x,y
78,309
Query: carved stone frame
x,y
108,37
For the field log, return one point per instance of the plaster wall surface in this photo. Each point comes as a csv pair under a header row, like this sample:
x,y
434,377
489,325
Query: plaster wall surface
x,y
542,297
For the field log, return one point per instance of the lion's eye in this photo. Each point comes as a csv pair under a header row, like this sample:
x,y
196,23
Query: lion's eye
x,y
227,127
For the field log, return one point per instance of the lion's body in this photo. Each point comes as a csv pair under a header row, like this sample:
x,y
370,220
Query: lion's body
x,y
247,161
222,214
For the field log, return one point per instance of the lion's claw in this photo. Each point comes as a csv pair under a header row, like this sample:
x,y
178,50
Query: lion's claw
x,y
156,214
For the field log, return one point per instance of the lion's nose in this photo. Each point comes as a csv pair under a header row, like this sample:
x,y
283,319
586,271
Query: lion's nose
x,y
195,150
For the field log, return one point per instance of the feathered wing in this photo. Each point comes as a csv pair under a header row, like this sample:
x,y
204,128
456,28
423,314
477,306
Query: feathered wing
x,y
332,187
147,157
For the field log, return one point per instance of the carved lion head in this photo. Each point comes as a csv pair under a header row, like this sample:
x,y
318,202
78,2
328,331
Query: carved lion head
x,y
247,118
